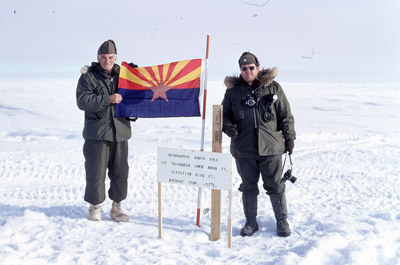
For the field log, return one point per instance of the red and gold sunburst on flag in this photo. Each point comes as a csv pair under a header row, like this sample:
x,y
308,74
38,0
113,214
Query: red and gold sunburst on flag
x,y
161,78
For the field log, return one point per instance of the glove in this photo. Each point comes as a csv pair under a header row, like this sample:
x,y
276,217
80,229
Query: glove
x,y
231,131
133,65
289,145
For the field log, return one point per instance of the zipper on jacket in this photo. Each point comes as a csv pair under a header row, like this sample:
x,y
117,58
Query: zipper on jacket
x,y
112,85
255,95
255,118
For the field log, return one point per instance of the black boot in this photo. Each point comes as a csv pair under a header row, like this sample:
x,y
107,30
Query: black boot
x,y
282,227
250,212
278,202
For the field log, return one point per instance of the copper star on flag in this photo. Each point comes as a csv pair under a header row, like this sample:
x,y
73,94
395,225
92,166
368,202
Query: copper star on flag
x,y
160,91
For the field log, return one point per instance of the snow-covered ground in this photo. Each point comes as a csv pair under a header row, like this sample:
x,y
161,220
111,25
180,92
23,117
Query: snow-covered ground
x,y
343,209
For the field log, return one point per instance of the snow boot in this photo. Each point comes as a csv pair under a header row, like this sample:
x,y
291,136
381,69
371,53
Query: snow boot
x,y
94,213
282,227
117,214
250,212
278,202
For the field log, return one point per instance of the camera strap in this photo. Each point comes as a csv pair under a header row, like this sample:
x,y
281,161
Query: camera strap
x,y
290,160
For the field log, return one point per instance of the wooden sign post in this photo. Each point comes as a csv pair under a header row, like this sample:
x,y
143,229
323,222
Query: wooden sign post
x,y
216,194
159,211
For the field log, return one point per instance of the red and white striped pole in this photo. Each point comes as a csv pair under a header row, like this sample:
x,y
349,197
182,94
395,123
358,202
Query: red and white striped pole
x,y
203,126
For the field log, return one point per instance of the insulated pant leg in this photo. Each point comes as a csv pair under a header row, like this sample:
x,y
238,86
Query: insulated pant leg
x,y
118,171
249,172
271,172
96,159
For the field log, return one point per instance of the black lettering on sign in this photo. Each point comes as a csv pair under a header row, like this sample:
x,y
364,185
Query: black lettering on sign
x,y
177,172
178,155
180,164
176,180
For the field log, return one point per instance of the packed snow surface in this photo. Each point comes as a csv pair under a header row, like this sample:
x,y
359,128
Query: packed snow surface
x,y
343,209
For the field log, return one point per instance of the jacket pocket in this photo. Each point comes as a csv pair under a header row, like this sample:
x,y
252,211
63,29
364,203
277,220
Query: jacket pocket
x,y
271,142
91,116
96,116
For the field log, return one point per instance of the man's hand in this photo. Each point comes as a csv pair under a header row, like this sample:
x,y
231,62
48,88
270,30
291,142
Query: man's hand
x,y
231,130
115,98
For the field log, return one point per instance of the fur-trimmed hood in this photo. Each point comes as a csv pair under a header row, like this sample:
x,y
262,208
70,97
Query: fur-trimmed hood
x,y
265,77
85,69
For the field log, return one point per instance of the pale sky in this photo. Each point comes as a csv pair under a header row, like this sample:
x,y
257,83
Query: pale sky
x,y
308,40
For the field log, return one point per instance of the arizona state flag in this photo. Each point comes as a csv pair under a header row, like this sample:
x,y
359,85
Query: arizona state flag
x,y
167,90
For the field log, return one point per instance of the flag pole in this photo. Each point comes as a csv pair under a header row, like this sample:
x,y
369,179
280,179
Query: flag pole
x,y
203,126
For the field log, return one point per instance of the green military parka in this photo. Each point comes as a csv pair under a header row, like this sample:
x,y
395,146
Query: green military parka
x,y
262,128
93,96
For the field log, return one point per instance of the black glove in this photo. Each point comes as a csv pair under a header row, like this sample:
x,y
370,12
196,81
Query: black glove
x,y
133,65
231,131
289,145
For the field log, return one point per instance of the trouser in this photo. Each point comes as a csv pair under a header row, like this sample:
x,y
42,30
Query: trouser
x,y
270,168
100,156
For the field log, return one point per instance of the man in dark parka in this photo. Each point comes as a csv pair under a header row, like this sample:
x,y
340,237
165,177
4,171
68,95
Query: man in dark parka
x,y
106,136
257,117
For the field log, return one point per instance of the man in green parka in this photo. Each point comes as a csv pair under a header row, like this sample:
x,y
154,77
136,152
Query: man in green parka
x,y
257,117
106,136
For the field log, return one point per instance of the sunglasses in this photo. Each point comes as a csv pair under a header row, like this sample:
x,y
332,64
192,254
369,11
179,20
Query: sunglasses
x,y
251,68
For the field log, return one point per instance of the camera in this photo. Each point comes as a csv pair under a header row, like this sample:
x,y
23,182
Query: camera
x,y
249,101
288,176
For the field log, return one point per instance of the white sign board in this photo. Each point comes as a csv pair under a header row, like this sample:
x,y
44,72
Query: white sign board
x,y
194,168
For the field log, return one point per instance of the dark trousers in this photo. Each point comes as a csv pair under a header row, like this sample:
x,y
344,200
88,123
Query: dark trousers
x,y
100,156
270,168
